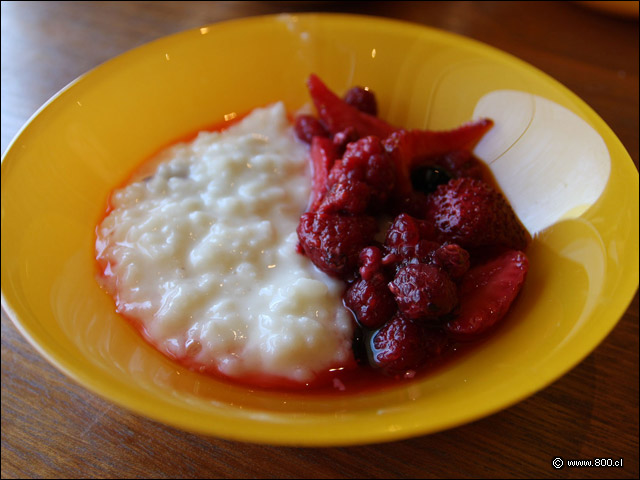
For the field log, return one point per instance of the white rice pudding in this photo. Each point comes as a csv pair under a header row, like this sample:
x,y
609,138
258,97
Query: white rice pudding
x,y
203,253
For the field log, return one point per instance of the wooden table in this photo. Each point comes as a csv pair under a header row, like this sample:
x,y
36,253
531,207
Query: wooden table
x,y
51,427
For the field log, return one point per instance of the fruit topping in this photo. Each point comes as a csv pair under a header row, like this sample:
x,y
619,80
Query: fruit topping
x,y
453,259
407,240
359,348
462,163
404,344
486,293
323,155
363,178
416,293
370,262
333,242
424,291
471,213
344,138
362,99
427,178
420,147
307,127
370,301
347,197
337,115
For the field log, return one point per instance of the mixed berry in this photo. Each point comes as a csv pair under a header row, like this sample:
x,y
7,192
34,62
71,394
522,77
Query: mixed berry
x,y
431,252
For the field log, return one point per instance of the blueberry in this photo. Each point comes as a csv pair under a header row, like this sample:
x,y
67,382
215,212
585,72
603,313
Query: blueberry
x,y
358,346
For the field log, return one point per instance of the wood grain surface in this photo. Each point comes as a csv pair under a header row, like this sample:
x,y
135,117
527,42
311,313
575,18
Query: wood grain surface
x,y
52,427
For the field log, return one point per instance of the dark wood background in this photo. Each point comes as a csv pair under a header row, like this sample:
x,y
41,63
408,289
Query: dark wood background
x,y
51,427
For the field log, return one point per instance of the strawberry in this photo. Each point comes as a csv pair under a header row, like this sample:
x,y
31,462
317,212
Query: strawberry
x,y
323,154
471,213
486,293
337,115
333,242
419,147
411,149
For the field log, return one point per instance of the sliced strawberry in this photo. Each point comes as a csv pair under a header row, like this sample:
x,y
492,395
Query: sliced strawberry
x,y
420,147
486,293
400,156
323,154
411,149
471,213
337,115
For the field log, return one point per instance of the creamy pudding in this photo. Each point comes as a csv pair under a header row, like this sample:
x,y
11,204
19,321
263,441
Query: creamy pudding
x,y
201,256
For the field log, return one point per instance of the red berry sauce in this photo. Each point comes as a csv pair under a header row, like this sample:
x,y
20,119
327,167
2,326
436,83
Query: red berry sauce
x,y
421,296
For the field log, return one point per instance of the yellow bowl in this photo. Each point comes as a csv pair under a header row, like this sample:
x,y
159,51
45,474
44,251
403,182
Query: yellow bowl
x,y
58,172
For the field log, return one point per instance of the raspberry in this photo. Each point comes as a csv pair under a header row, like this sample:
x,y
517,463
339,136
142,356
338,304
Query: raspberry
x,y
424,291
423,252
407,240
348,197
307,127
371,301
404,230
453,259
405,344
470,213
366,161
333,242
355,160
370,261
380,175
362,99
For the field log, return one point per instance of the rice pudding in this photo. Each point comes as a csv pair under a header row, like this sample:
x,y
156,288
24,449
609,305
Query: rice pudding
x,y
201,255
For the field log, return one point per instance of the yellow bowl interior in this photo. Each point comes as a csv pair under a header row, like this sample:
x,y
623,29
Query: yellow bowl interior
x,y
58,173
